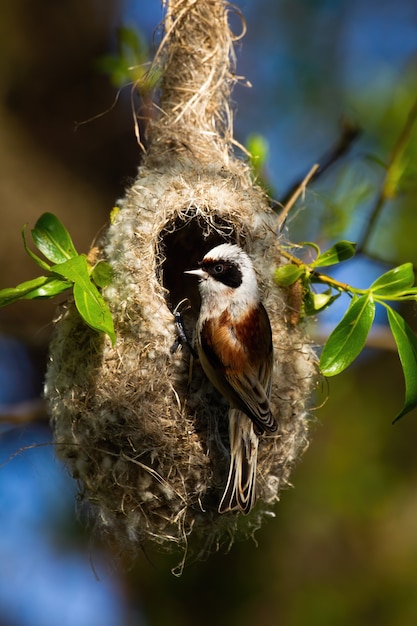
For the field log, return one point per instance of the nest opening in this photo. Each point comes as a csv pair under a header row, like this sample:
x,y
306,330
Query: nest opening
x,y
181,244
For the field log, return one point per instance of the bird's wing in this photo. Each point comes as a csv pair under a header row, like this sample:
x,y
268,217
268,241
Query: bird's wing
x,y
239,360
251,395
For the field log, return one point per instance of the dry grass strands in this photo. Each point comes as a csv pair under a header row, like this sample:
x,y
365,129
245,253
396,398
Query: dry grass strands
x,y
198,62
142,429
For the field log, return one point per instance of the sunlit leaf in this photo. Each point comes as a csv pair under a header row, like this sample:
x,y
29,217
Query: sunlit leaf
x,y
52,287
88,300
102,274
407,294
32,255
94,310
407,350
340,251
348,338
38,287
53,239
316,302
286,275
311,244
394,281
130,64
114,213
258,148
76,270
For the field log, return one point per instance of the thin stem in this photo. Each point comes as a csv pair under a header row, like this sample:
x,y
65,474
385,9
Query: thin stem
x,y
295,195
328,280
386,191
323,278
350,133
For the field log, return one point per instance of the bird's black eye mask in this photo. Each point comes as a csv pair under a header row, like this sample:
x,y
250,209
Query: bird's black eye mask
x,y
224,271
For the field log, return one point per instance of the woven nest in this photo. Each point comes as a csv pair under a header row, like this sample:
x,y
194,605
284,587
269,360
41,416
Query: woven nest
x,y
140,426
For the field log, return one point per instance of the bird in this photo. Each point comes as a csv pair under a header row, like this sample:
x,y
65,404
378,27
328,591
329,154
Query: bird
x,y
234,345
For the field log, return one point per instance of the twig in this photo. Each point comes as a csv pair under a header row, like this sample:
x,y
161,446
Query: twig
x,y
350,132
296,194
387,191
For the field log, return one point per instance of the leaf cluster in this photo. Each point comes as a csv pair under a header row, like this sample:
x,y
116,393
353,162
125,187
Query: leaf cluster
x,y
130,64
65,270
348,339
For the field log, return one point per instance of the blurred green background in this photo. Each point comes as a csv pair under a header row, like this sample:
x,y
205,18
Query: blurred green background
x,y
343,546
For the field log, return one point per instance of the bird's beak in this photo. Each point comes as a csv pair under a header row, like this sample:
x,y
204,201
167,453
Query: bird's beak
x,y
200,273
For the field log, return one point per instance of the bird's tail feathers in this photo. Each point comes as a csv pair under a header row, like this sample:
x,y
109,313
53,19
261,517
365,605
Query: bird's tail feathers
x,y
240,488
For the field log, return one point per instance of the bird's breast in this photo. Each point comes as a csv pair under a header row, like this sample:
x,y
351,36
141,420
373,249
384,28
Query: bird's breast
x,y
233,344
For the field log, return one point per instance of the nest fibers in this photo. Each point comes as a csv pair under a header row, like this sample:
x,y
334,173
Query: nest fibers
x,y
140,426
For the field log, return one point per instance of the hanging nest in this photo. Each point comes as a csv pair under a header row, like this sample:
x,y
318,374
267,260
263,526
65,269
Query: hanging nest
x,y
139,424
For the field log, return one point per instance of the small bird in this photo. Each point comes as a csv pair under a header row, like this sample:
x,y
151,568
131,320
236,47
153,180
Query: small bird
x,y
234,342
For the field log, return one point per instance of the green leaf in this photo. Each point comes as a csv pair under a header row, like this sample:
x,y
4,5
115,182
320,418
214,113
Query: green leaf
x,y
76,270
286,275
130,65
394,281
340,251
41,287
407,294
133,41
53,239
311,244
102,274
94,310
52,287
88,300
407,351
316,302
258,148
348,338
32,255
11,294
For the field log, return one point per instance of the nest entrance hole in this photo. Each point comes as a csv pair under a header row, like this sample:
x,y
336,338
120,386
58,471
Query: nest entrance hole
x,y
182,243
